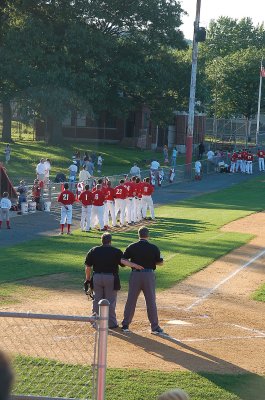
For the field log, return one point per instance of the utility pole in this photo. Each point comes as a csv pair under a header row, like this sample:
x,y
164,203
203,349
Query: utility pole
x,y
189,140
262,74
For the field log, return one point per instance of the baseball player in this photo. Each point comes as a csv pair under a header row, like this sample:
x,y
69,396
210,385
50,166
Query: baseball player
x,y
86,198
109,205
147,201
120,201
249,163
239,161
5,205
233,162
97,213
244,160
138,200
129,185
67,199
261,155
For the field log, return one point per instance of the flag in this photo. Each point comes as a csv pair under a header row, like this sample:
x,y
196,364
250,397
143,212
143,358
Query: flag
x,y
262,72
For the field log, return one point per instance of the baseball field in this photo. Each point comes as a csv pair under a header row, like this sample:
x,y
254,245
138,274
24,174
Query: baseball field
x,y
211,293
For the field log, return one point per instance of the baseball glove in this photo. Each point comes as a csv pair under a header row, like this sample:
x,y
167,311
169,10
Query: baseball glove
x,y
88,290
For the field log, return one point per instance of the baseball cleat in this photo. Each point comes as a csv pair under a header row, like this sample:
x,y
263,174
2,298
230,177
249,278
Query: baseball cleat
x,y
125,328
158,331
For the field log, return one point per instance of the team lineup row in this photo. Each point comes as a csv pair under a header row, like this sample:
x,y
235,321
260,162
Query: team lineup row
x,y
102,204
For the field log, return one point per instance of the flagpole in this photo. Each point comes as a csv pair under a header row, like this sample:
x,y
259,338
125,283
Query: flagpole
x,y
259,101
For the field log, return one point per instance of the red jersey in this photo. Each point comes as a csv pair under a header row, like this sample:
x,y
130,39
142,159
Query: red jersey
x,y
120,192
139,189
244,155
234,157
66,198
147,189
86,198
110,194
239,156
98,198
130,188
250,157
261,154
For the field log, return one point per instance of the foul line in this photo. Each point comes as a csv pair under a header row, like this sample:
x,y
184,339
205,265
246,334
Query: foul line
x,y
201,299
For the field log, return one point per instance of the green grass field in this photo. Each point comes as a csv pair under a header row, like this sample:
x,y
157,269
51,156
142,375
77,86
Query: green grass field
x,y
135,384
189,236
259,295
25,155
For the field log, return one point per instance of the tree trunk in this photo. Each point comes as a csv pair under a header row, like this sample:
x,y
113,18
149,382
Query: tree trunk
x,y
54,132
7,119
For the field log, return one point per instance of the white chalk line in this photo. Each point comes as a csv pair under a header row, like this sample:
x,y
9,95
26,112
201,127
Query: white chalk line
x,y
223,281
215,338
249,329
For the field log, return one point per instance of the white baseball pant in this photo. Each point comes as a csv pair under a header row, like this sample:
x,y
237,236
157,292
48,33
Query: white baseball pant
x,y
66,214
97,215
261,164
233,167
147,202
129,209
239,165
86,218
120,206
109,210
139,215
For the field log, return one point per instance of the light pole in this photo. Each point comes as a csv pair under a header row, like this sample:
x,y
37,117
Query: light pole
x,y
189,140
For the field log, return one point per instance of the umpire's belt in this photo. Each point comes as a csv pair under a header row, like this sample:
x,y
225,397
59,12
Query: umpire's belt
x,y
143,270
103,273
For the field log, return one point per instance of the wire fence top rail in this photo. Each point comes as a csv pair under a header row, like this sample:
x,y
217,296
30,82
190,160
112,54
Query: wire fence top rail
x,y
56,317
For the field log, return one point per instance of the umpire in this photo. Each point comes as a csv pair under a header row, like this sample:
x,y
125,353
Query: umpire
x,y
147,255
104,260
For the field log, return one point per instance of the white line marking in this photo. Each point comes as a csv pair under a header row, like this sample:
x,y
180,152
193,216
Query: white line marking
x,y
249,329
214,339
201,299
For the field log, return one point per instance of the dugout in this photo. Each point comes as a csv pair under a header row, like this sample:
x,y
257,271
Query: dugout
x,y
6,185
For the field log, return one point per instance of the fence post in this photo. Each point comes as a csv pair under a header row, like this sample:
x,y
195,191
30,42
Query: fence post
x,y
102,348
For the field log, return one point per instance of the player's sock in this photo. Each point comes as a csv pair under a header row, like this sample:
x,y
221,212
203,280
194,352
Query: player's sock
x,y
62,226
8,224
0,224
68,228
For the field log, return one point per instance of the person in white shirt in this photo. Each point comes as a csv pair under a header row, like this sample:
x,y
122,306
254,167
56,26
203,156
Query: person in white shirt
x,y
5,205
210,155
84,175
100,162
198,167
135,171
47,164
72,175
174,157
40,170
154,165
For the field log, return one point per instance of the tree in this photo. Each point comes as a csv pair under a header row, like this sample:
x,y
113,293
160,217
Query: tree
x,y
84,55
235,82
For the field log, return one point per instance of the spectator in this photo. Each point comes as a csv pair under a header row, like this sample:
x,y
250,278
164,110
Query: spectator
x,y
47,164
6,377
72,175
7,153
165,153
89,166
210,155
198,167
135,171
176,394
154,165
201,150
99,163
22,193
84,175
60,178
174,157
40,170
5,205
36,191
78,160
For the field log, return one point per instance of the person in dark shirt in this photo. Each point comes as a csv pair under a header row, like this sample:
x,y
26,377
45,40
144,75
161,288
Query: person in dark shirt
x,y
104,260
148,255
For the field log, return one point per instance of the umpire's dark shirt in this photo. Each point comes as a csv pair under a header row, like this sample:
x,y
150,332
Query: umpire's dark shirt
x,y
143,253
104,259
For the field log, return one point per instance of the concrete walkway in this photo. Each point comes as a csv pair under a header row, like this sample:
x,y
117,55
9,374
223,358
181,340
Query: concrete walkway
x,y
40,224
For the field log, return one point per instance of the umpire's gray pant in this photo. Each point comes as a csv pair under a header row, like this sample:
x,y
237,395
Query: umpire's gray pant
x,y
141,281
103,289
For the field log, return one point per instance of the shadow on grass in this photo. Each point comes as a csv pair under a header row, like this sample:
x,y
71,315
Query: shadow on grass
x,y
224,374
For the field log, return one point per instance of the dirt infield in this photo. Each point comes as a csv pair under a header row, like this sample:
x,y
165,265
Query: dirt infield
x,y
211,322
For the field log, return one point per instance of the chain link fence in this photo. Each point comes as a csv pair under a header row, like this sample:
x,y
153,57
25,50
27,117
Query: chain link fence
x,y
56,356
